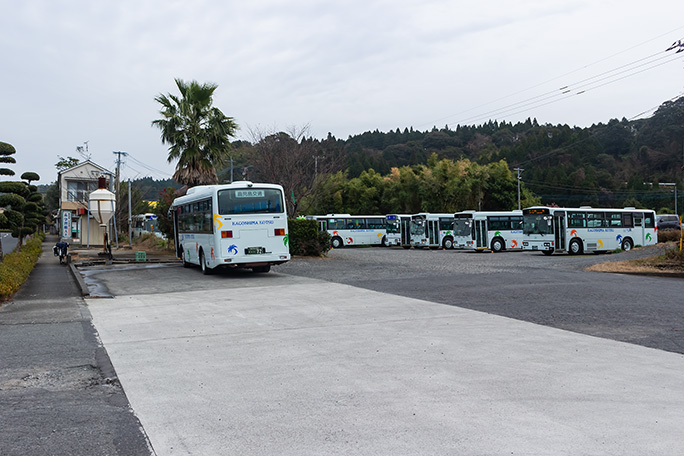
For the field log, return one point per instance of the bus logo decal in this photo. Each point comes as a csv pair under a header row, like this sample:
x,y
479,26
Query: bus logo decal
x,y
573,233
514,244
217,219
599,243
286,239
497,233
619,238
233,249
648,237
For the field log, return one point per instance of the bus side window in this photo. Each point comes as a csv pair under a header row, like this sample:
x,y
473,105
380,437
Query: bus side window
x,y
649,220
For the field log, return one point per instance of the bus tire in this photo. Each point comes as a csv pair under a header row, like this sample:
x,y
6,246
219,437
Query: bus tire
x,y
498,245
627,244
448,243
384,241
184,260
206,270
547,252
575,247
336,242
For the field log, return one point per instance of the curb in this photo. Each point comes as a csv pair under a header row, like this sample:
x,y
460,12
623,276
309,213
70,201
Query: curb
x,y
85,291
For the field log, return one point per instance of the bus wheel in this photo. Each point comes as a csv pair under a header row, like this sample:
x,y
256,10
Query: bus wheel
x,y
627,245
205,269
448,243
184,259
575,247
384,241
547,252
497,245
336,242
262,268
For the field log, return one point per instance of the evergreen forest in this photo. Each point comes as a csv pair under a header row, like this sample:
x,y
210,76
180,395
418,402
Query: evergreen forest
x,y
614,164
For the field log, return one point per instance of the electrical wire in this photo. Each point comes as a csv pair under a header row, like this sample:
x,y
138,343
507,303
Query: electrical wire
x,y
562,76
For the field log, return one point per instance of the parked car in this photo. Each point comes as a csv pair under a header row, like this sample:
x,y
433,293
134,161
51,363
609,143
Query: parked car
x,y
667,221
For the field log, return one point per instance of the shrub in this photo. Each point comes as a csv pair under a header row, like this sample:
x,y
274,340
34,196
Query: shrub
x,y
676,256
305,239
17,266
669,235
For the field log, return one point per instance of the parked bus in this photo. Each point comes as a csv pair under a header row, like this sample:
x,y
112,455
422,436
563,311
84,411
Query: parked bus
x,y
586,229
238,225
432,230
145,224
348,230
483,230
398,230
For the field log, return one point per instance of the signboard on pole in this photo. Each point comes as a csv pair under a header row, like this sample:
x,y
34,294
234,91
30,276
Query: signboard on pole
x,y
66,224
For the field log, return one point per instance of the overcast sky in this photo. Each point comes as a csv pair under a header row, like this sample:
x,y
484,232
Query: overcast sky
x,y
87,71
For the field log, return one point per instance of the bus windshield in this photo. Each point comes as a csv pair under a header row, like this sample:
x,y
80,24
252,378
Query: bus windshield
x,y
392,226
418,226
537,224
462,227
250,201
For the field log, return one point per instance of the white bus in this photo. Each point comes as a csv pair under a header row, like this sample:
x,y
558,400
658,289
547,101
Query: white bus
x,y
586,229
238,225
145,224
483,230
432,230
348,230
398,230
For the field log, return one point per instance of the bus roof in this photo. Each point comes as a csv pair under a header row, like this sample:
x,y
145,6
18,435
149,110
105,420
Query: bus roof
x,y
204,191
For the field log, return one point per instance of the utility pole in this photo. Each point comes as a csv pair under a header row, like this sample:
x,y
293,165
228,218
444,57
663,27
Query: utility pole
x,y
519,170
130,218
116,189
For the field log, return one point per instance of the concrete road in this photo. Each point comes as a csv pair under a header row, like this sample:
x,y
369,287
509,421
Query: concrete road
x,y
278,364
58,391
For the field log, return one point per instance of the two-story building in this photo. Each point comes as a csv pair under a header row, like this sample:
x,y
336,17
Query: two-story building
x,y
75,185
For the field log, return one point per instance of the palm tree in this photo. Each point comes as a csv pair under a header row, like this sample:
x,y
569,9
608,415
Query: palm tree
x,y
197,132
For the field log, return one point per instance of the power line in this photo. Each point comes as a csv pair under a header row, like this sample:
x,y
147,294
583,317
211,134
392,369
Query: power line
x,y
574,89
560,77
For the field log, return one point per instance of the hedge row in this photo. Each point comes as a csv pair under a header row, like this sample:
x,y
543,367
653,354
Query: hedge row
x,y
305,239
16,266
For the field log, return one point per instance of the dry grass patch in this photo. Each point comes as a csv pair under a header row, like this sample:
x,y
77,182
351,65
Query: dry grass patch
x,y
669,263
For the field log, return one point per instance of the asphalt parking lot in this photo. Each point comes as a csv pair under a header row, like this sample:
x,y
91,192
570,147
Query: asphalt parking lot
x,y
387,351
552,290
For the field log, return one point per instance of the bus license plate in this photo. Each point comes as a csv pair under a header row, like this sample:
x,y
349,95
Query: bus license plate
x,y
254,250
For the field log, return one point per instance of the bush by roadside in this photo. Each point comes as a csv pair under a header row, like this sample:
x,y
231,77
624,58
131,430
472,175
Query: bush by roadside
x,y
305,239
669,235
151,242
16,266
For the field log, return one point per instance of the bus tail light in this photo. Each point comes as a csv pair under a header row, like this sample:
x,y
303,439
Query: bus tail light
x,y
280,231
226,234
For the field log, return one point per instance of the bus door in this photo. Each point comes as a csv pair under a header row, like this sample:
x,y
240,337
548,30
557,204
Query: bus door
x,y
176,232
322,224
480,230
639,228
433,232
559,230
405,230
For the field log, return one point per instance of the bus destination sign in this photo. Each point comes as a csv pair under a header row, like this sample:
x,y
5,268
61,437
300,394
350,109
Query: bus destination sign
x,y
249,193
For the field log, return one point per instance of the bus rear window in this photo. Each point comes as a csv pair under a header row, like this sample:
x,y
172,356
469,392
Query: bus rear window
x,y
250,201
